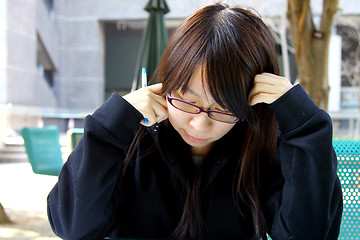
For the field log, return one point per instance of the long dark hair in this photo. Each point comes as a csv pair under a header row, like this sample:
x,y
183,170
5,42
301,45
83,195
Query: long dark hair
x,y
233,45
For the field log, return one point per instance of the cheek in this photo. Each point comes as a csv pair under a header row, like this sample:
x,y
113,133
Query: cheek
x,y
222,129
177,118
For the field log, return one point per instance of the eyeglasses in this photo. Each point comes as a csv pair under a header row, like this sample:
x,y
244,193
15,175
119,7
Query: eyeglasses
x,y
193,109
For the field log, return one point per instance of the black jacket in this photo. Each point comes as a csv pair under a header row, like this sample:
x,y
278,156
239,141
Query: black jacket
x,y
301,191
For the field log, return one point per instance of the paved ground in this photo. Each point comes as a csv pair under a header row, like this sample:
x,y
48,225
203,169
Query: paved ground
x,y
23,195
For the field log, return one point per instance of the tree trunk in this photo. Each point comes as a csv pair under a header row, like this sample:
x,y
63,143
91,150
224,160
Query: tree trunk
x,y
3,217
312,47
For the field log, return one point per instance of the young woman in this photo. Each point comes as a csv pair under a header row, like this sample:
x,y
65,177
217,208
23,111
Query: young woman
x,y
230,150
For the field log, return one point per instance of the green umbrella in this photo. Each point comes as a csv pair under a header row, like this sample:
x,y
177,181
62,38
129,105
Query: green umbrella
x,y
153,42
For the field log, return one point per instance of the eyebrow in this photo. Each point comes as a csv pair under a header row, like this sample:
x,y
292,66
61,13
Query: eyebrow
x,y
189,90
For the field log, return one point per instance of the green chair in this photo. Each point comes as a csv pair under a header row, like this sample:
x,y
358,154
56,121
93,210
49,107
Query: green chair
x,y
348,155
348,170
43,149
75,134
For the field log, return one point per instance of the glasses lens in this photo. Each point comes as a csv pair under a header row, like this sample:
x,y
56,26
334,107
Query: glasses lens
x,y
184,106
223,117
189,108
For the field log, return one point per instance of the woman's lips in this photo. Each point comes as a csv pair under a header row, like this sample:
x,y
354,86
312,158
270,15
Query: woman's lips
x,y
194,139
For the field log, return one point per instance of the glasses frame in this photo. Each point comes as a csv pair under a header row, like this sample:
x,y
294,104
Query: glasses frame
x,y
208,112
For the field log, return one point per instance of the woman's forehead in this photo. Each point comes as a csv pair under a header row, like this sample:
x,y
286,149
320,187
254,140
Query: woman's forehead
x,y
198,89
198,84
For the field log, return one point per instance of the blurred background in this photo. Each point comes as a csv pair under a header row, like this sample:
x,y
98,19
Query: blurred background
x,y
60,60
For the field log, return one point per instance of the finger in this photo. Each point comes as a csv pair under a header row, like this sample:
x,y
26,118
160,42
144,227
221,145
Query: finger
x,y
268,78
149,118
264,78
155,88
265,93
154,118
160,112
166,116
263,98
154,113
275,80
268,88
260,87
149,103
272,79
159,99
145,122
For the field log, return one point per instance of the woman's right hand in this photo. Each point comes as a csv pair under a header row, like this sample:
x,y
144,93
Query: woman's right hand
x,y
149,103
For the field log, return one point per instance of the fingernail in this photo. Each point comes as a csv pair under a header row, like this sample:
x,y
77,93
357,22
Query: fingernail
x,y
145,120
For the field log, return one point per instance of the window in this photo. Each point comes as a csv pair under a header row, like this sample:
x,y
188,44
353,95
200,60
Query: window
x,y
46,67
50,7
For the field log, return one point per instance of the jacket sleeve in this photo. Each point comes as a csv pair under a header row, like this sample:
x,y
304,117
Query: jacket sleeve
x,y
305,202
82,204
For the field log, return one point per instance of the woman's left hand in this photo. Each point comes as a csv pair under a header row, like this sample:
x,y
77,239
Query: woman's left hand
x,y
268,88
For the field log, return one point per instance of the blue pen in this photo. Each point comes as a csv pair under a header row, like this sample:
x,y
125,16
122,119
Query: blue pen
x,y
144,84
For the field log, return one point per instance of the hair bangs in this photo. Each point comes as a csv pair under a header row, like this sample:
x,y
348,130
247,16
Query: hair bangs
x,y
228,72
186,51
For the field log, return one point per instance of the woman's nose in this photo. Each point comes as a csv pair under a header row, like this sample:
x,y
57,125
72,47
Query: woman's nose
x,y
200,122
